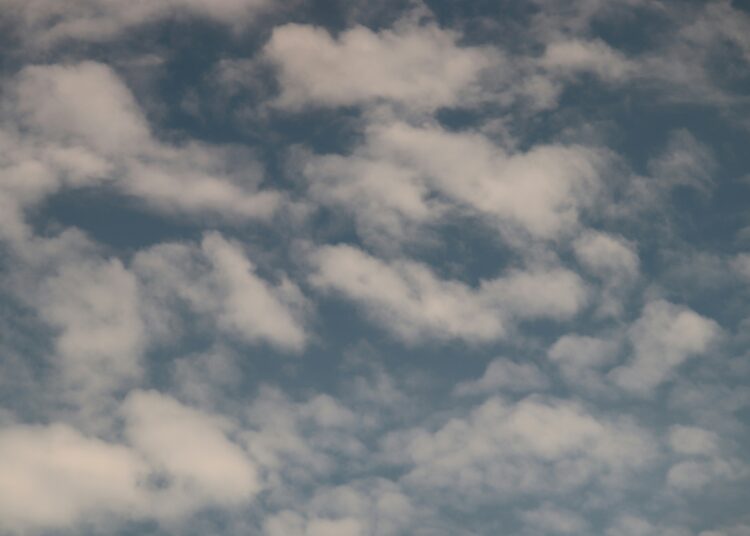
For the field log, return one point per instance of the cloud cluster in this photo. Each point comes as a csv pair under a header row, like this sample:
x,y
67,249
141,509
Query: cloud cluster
x,y
405,269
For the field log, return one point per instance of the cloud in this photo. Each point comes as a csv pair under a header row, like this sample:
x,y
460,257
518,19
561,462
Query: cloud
x,y
95,305
218,282
581,359
684,162
631,525
548,519
403,176
419,66
534,446
614,261
505,375
411,302
51,476
595,57
191,447
369,507
664,337
79,125
606,256
47,22
177,459
692,440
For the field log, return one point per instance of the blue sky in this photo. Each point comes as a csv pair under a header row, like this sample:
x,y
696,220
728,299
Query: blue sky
x,y
317,268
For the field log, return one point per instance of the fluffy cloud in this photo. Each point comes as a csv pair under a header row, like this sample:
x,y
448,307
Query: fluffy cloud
x,y
376,508
82,126
504,374
419,66
177,459
535,446
614,261
580,56
200,464
95,307
218,282
581,359
53,475
606,256
404,175
665,336
410,301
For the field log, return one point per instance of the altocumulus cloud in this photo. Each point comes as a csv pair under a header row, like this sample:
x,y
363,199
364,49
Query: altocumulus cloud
x,y
341,269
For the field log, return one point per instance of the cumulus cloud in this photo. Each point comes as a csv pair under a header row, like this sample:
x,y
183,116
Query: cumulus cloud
x,y
504,374
95,307
411,302
200,463
664,337
488,210
593,57
176,459
375,507
418,66
218,282
530,447
79,125
606,256
581,359
53,475
403,176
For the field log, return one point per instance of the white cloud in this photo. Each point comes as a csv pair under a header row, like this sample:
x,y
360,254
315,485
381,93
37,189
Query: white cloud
x,y
95,306
403,176
374,507
505,375
531,447
51,476
581,359
606,255
410,301
79,125
46,22
192,448
176,459
218,282
587,56
665,336
419,66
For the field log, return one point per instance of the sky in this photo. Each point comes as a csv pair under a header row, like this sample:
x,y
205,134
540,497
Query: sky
x,y
344,268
